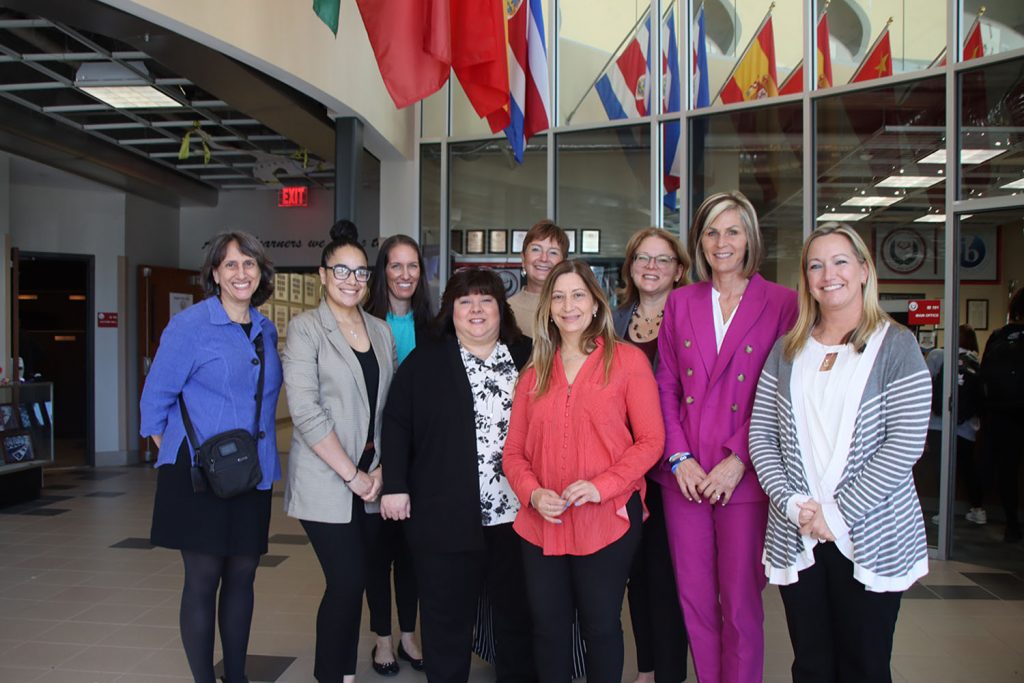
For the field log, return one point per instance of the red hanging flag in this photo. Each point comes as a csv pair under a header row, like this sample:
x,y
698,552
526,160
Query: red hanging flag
x,y
480,57
411,40
878,62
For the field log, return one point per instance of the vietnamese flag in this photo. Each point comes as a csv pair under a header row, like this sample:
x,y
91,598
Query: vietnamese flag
x,y
878,63
794,82
754,76
411,40
973,46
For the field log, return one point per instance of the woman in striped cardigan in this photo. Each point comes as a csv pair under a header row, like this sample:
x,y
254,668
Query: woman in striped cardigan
x,y
839,420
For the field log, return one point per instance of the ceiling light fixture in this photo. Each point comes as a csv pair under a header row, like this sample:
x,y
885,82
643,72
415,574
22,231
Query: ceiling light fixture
x,y
967,156
837,216
910,181
871,201
121,87
1015,185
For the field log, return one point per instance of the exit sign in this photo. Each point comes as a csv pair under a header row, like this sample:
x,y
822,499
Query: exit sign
x,y
293,196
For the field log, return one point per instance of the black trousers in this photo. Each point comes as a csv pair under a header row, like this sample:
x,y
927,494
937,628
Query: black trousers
x,y
449,587
389,552
658,628
592,584
340,548
1003,432
841,632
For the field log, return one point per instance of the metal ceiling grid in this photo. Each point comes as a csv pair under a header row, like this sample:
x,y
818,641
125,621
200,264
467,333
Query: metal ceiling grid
x,y
39,60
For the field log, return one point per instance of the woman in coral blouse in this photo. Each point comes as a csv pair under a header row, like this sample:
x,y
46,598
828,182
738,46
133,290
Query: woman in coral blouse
x,y
585,427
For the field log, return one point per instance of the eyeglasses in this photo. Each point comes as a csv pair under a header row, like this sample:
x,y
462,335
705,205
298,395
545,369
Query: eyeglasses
x,y
341,272
662,261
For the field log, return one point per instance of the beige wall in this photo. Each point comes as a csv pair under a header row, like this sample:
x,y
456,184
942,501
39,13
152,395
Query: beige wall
x,y
286,40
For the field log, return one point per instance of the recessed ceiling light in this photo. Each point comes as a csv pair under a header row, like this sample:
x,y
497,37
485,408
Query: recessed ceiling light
x,y
836,216
131,97
967,156
871,201
910,181
931,218
1015,185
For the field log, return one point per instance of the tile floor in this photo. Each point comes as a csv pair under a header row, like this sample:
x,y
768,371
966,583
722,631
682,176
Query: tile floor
x,y
84,598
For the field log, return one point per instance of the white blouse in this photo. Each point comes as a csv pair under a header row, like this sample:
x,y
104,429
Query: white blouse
x,y
721,324
492,382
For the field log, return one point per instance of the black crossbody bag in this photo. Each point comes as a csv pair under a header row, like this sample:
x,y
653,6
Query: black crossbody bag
x,y
228,462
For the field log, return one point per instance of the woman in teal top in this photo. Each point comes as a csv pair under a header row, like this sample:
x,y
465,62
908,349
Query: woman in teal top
x,y
398,295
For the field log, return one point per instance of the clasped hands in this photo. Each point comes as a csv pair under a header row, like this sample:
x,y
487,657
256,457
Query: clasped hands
x,y
551,505
366,485
714,486
812,522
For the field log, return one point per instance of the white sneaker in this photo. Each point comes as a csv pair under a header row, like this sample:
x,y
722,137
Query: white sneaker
x,y
977,516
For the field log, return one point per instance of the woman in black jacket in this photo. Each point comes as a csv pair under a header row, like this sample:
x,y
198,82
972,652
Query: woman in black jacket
x,y
444,428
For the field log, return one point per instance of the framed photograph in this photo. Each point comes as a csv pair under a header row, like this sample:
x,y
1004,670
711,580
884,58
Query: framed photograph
x,y
571,234
281,287
295,288
455,242
310,290
7,417
474,241
927,338
977,313
590,241
281,319
518,237
497,242
18,447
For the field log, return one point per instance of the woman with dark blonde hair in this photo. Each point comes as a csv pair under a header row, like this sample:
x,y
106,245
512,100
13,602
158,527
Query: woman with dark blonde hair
x,y
838,423
716,336
656,263
585,427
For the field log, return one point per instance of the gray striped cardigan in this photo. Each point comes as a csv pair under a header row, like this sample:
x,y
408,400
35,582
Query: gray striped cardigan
x,y
875,495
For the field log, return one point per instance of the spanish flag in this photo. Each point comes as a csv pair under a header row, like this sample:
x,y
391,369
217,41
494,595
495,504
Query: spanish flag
x,y
878,63
794,83
754,76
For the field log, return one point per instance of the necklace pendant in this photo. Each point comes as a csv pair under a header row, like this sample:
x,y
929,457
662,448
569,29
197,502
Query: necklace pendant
x,y
828,361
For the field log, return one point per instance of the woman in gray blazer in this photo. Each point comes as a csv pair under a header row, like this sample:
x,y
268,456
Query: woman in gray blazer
x,y
338,363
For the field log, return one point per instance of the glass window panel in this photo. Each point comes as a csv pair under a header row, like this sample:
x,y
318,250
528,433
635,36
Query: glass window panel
x,y
732,29
672,166
430,216
859,29
596,38
604,193
992,130
991,268
758,152
490,192
991,26
435,114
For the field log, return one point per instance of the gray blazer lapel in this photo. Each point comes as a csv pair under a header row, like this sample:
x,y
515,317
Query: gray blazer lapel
x,y
345,352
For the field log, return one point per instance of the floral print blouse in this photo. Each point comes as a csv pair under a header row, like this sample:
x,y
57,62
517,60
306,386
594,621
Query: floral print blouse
x,y
492,381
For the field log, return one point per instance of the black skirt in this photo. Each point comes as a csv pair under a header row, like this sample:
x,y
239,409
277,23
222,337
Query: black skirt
x,y
202,522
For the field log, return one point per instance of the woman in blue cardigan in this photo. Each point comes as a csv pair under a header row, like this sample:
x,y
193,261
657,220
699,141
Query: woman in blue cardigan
x,y
210,354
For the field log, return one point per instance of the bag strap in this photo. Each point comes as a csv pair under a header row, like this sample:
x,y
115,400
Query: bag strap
x,y
187,421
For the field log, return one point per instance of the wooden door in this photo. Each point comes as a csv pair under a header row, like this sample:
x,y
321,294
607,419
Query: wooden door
x,y
162,292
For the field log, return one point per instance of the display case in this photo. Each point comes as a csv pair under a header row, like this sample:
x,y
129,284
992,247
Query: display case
x,y
26,439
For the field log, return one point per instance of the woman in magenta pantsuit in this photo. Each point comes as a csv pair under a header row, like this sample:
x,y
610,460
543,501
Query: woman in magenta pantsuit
x,y
713,343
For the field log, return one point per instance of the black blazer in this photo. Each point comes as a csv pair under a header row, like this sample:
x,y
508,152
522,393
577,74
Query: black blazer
x,y
428,445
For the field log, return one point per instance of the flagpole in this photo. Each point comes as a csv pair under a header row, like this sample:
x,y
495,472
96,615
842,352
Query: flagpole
x,y
739,59
871,50
604,68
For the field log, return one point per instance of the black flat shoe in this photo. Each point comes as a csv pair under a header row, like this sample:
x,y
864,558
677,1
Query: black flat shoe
x,y
416,664
387,670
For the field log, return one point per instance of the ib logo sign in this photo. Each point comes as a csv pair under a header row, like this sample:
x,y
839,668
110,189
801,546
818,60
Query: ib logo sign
x,y
972,251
